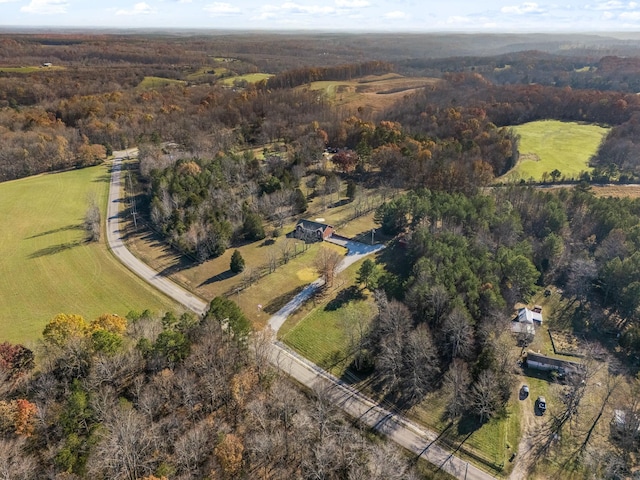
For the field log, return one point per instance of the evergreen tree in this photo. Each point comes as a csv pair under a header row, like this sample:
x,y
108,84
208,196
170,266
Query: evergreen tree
x,y
237,262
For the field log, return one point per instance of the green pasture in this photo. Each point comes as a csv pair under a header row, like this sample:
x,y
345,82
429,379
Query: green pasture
x,y
549,145
46,266
321,336
158,82
249,78
488,445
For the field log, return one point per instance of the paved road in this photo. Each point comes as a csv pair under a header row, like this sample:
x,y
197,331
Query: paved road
x,y
400,430
405,433
114,239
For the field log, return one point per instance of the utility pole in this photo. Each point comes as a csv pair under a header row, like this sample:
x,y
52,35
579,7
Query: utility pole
x,y
373,230
134,211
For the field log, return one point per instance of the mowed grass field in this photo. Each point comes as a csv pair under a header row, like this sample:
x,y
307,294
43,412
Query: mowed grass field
x,y
249,78
548,145
47,268
158,82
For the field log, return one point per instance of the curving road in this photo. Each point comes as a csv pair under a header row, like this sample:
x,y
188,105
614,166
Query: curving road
x,y
405,433
114,239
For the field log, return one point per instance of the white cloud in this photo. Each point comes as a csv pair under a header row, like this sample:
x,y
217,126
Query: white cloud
x,y
141,8
395,15
296,8
46,7
185,1
221,8
523,9
284,11
456,20
352,3
633,16
610,5
7,1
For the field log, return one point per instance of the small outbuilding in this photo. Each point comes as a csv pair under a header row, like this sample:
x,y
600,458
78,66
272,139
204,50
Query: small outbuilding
x,y
530,316
538,361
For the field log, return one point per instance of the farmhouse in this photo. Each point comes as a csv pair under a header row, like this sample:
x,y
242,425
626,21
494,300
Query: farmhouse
x,y
542,362
309,230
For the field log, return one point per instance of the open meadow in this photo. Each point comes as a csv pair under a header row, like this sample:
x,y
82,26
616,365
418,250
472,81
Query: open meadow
x,y
48,268
374,92
549,145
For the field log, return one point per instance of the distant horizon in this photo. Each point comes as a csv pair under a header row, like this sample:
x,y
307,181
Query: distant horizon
x,y
621,35
332,16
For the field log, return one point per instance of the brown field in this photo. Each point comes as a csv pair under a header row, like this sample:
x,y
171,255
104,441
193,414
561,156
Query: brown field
x,y
630,191
372,92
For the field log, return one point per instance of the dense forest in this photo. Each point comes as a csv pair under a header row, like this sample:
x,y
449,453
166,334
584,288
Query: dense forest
x,y
176,397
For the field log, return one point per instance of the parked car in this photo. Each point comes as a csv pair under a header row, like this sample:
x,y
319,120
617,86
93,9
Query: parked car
x,y
542,404
524,391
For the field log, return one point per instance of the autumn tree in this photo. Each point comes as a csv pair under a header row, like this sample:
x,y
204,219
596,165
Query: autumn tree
x,y
229,454
345,160
326,263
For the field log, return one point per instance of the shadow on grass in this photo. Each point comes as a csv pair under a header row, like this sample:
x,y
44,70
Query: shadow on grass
x,y
53,249
343,297
103,178
77,226
218,278
267,242
280,301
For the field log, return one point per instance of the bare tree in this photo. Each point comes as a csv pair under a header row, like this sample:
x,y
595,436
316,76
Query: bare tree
x,y
15,464
420,364
456,383
285,250
326,263
484,397
272,259
92,222
457,333
126,448
582,273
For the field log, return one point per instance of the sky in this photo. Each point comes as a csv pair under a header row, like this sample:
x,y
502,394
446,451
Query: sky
x,y
333,15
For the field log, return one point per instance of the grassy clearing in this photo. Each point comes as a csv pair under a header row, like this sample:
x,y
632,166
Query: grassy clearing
x,y
322,334
489,444
148,83
46,266
29,69
548,145
618,191
375,92
249,78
